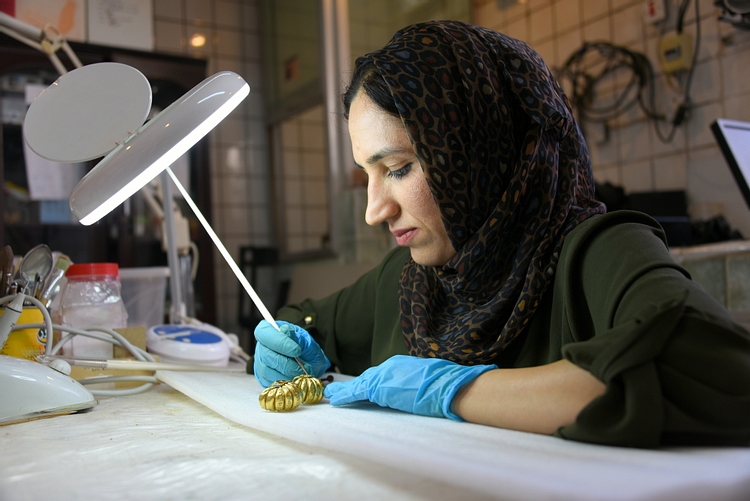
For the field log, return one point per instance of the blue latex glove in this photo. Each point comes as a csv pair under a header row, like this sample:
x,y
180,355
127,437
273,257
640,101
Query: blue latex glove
x,y
276,350
423,386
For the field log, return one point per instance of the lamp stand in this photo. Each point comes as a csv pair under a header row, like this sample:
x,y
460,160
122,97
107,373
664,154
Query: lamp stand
x,y
176,309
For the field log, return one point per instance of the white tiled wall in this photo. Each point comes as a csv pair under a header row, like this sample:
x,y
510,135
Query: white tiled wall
x,y
634,157
303,159
373,22
239,166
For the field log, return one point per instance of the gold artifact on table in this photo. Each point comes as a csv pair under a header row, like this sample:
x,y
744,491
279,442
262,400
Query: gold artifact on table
x,y
281,396
285,396
311,387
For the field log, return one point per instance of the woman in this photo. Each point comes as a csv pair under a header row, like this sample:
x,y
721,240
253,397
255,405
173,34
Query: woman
x,y
513,300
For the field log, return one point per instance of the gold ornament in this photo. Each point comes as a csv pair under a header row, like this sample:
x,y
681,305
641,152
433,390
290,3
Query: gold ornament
x,y
312,388
285,396
281,396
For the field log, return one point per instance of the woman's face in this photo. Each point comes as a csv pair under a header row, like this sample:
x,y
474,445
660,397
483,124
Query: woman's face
x,y
397,190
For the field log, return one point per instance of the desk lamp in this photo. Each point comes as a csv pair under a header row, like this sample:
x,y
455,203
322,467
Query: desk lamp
x,y
736,6
98,110
105,100
735,12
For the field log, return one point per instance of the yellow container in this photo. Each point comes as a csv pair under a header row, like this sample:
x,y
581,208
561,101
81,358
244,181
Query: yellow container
x,y
26,343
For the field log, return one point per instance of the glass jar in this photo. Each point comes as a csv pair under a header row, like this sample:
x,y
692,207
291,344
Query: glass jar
x,y
91,298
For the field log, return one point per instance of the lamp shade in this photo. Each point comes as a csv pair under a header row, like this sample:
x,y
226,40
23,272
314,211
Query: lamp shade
x,y
738,6
85,112
153,147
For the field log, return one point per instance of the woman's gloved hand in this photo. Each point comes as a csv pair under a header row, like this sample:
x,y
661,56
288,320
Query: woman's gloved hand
x,y
423,386
276,350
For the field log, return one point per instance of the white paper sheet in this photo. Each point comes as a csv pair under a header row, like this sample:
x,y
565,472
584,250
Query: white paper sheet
x,y
502,463
121,23
50,180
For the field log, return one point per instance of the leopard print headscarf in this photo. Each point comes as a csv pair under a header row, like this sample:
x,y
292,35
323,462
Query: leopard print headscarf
x,y
509,170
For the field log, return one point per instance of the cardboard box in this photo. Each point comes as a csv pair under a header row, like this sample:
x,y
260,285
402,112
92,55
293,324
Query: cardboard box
x,y
135,336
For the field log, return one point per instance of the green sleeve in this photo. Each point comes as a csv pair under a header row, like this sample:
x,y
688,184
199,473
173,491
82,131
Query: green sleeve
x,y
358,326
677,368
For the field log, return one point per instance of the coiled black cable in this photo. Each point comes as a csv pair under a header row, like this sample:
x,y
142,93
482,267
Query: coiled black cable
x,y
598,63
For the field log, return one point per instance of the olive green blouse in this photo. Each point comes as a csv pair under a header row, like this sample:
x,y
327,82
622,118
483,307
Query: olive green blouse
x,y
677,368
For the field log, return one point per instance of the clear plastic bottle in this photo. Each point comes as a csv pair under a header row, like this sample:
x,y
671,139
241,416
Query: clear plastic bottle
x,y
91,298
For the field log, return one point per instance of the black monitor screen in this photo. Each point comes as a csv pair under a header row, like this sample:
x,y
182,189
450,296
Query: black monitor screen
x,y
734,140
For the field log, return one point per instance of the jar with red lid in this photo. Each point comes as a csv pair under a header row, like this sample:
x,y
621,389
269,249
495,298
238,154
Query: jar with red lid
x,y
92,298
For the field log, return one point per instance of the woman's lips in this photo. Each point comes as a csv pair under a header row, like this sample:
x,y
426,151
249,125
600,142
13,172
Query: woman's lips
x,y
404,236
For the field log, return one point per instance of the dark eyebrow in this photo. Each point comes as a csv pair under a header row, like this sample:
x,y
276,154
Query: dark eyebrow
x,y
384,153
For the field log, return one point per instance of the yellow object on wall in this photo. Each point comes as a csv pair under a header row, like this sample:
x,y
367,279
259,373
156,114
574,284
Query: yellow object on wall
x,y
676,52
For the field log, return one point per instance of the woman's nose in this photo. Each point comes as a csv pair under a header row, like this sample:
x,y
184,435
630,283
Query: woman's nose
x,y
380,205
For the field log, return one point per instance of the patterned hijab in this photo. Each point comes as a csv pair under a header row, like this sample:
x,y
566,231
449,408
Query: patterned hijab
x,y
509,170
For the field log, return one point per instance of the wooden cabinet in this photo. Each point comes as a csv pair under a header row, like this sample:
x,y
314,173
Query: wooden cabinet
x,y
128,235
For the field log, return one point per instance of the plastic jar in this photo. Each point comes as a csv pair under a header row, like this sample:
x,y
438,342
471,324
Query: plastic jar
x,y
91,298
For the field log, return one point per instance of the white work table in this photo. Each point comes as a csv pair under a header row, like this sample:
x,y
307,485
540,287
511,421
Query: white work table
x,y
164,444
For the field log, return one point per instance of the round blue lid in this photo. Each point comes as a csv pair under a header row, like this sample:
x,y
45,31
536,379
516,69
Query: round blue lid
x,y
186,334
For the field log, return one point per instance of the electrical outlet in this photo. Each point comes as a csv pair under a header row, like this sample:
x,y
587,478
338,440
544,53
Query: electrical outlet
x,y
655,11
676,52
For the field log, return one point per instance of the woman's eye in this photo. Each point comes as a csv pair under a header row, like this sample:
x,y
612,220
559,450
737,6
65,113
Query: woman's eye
x,y
403,171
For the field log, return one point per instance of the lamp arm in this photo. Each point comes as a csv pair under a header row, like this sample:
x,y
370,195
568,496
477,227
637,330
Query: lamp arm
x,y
53,40
19,28
177,309
72,55
47,40
224,252
151,202
20,36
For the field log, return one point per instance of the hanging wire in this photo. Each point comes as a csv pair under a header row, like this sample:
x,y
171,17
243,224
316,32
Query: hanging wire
x,y
683,110
596,64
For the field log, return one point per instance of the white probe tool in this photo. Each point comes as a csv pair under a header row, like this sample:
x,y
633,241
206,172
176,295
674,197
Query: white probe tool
x,y
10,317
225,253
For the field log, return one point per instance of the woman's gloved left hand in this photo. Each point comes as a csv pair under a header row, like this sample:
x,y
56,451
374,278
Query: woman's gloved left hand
x,y
423,386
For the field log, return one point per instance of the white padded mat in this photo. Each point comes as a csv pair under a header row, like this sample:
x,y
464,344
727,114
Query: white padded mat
x,y
502,463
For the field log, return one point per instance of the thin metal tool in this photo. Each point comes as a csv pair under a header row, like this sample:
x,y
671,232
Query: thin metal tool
x,y
299,362
51,286
35,266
